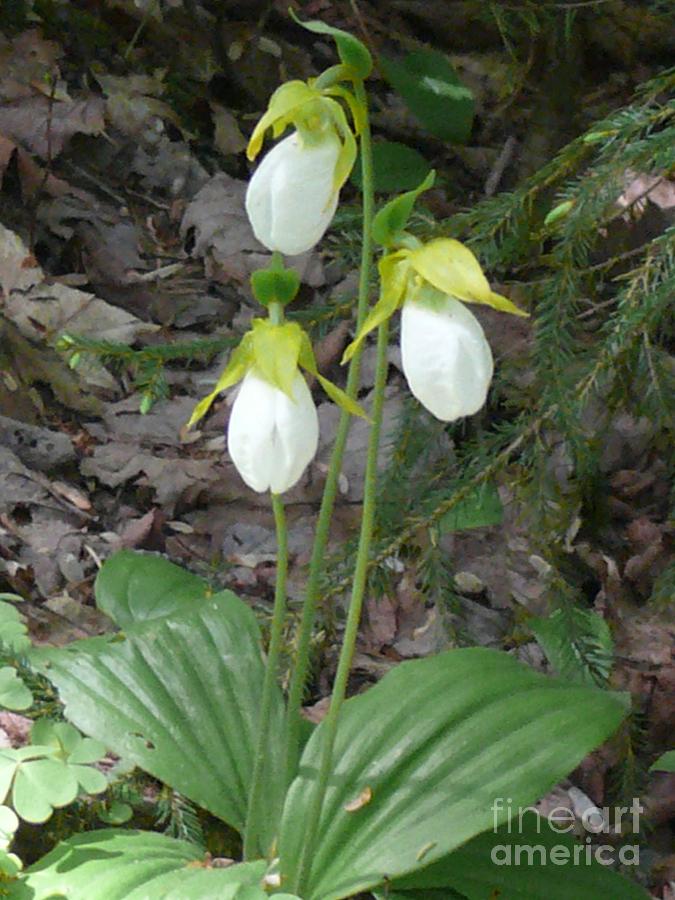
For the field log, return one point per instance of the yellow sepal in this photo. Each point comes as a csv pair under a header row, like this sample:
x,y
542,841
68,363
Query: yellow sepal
x,y
239,363
453,269
284,104
355,108
275,351
394,278
347,155
336,394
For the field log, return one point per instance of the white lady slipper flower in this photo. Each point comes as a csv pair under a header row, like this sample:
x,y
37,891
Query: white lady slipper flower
x,y
291,198
446,358
272,438
274,429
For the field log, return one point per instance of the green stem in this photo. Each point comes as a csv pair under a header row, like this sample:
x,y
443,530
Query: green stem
x,y
256,815
330,724
302,655
276,313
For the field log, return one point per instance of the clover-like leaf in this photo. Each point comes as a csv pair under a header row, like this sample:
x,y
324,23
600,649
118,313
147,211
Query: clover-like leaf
x,y
10,864
115,813
69,744
40,786
9,822
13,692
13,632
75,751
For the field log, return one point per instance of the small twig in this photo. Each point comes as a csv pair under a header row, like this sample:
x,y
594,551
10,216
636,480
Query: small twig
x,y
47,171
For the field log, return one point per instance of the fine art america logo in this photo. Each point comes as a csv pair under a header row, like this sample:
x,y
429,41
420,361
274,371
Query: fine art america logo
x,y
591,821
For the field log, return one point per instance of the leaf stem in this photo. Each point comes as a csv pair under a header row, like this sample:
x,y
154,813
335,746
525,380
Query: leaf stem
x,y
256,816
330,723
302,656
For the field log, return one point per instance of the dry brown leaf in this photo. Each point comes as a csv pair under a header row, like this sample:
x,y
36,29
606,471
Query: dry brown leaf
x,y
217,219
639,188
28,64
41,448
19,270
227,136
45,126
133,105
16,727
47,310
381,625
114,464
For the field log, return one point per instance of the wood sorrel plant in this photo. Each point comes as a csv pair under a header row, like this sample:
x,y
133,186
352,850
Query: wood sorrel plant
x,y
399,791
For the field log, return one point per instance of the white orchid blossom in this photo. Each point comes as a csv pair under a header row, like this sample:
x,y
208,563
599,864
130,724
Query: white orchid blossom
x,y
446,358
272,438
291,198
274,429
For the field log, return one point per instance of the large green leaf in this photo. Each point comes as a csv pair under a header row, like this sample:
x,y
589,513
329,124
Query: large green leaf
x,y
132,587
178,697
429,749
135,865
396,167
534,862
427,81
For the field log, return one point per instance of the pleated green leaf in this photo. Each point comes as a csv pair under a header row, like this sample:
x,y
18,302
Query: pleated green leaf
x,y
420,758
132,587
178,697
533,862
136,865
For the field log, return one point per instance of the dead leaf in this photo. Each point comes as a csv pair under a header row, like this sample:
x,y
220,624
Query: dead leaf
x,y
227,136
28,63
19,270
217,220
359,802
133,105
31,365
136,532
115,463
41,448
48,310
16,727
317,712
381,625
329,349
44,126
169,166
640,188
